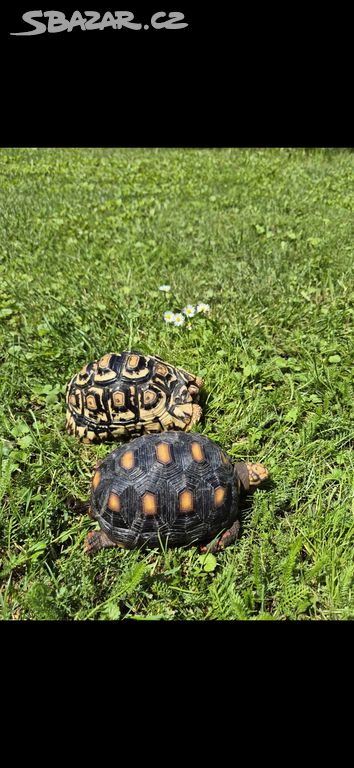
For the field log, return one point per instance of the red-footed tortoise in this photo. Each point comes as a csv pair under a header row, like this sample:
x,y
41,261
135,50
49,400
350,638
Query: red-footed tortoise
x,y
175,488
129,394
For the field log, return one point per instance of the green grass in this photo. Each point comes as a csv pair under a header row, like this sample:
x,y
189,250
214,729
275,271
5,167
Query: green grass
x,y
266,238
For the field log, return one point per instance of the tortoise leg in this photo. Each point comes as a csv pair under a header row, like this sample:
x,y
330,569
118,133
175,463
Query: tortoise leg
x,y
196,415
195,386
226,538
95,540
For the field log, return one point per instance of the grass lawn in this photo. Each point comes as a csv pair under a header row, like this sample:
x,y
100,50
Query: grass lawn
x,y
265,237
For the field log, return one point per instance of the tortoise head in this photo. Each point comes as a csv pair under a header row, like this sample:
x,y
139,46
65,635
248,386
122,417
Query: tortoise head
x,y
249,475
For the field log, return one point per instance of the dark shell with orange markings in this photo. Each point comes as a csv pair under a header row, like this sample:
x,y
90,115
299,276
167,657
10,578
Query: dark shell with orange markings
x,y
129,394
177,488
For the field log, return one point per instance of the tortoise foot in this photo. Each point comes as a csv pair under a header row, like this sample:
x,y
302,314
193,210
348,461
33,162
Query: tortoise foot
x,y
96,540
196,415
226,538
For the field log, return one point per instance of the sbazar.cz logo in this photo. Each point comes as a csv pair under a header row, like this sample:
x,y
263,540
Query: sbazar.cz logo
x,y
56,21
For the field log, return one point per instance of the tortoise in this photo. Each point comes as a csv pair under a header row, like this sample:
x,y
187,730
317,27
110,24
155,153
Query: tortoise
x,y
175,488
129,394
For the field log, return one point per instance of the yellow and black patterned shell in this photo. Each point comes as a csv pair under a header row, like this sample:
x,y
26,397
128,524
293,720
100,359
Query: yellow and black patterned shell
x,y
178,488
128,394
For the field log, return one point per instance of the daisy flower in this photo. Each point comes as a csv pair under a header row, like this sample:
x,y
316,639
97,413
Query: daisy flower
x,y
179,319
189,310
165,288
201,307
169,317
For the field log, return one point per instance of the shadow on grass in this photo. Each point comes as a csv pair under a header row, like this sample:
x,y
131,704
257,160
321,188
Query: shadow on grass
x,y
246,502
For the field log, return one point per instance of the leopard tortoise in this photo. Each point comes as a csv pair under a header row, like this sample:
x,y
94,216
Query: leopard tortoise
x,y
129,394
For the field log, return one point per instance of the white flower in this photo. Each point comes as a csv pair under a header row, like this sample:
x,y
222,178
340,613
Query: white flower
x,y
179,319
165,288
203,307
189,326
189,310
169,317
